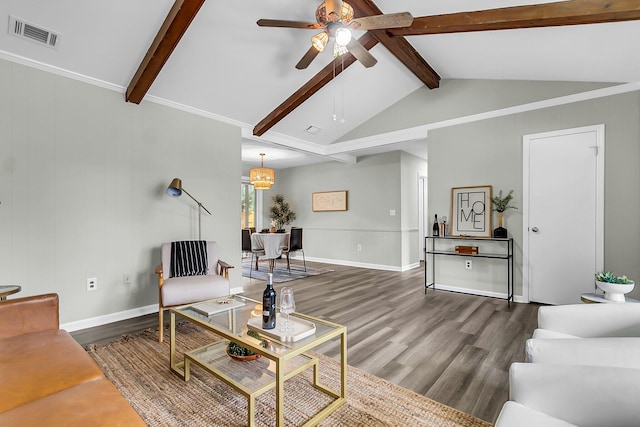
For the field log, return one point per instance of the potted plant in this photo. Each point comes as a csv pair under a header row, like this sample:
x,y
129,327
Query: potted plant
x,y
280,213
614,287
501,204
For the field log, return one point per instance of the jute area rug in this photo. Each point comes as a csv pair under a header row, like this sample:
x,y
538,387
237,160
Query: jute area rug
x,y
138,365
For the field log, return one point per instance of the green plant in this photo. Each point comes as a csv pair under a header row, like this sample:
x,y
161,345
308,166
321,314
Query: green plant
x,y
610,277
238,350
501,204
280,213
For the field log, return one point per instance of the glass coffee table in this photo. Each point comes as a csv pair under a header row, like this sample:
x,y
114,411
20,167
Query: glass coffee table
x,y
281,358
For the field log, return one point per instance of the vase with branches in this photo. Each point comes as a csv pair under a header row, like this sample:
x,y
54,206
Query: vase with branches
x,y
501,204
280,212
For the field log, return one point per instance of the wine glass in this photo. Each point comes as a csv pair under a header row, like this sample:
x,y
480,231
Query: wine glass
x,y
287,306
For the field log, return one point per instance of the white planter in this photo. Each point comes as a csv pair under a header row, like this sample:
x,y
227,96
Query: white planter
x,y
615,291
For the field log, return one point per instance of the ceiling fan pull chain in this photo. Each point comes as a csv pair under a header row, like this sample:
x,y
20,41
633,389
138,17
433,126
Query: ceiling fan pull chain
x,y
341,91
335,116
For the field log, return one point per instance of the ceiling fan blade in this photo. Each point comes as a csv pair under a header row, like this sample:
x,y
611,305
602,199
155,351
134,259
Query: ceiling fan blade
x,y
380,22
307,58
288,24
333,6
361,54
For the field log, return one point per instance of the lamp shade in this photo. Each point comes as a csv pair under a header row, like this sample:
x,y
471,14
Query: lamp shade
x,y
319,41
262,178
175,188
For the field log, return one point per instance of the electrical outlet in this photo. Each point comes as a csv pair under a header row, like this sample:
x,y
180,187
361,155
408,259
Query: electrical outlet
x,y
392,212
126,278
359,248
92,284
468,264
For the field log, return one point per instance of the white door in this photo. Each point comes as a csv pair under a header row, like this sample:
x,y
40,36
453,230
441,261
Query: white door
x,y
562,213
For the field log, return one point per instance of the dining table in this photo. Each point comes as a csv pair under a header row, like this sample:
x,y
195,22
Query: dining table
x,y
272,244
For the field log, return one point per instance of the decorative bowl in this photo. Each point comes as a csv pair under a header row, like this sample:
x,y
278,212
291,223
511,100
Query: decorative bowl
x,y
243,358
615,291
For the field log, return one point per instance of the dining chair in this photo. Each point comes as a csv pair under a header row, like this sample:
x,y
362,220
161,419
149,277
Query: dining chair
x,y
295,245
248,246
246,241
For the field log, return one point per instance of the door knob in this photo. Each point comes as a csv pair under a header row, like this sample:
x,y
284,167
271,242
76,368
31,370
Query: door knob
x,y
534,229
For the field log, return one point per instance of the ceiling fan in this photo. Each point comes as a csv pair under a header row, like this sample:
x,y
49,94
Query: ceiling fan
x,y
335,18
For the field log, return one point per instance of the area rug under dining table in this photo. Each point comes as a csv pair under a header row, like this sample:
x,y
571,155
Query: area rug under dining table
x,y
280,272
138,365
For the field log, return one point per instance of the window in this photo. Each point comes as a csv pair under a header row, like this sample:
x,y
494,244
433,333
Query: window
x,y
248,200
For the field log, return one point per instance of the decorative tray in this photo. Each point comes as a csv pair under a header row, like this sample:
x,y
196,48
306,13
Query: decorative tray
x,y
301,328
211,307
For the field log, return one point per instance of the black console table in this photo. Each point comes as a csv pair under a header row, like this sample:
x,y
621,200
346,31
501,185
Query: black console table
x,y
507,255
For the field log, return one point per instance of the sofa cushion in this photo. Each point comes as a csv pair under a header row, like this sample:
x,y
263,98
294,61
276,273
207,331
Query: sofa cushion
x,y
611,351
39,364
514,414
185,290
95,403
546,333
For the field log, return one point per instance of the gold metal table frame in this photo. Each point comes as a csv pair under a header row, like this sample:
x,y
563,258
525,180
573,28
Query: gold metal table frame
x,y
253,378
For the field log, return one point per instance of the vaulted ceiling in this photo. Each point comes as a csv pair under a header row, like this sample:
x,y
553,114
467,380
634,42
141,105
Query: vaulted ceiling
x,y
212,58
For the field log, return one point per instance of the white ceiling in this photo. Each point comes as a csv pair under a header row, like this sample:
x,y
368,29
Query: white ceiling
x,y
227,67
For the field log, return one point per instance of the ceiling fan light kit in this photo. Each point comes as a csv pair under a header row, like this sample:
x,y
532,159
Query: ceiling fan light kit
x,y
343,36
320,40
336,19
324,18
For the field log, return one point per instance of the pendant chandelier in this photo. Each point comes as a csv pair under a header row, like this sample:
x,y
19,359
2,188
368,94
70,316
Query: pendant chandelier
x,y
262,178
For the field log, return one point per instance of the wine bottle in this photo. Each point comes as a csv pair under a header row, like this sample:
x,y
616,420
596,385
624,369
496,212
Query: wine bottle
x,y
269,305
436,228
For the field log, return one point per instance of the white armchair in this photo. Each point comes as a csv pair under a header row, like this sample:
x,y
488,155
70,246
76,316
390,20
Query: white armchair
x,y
176,289
564,395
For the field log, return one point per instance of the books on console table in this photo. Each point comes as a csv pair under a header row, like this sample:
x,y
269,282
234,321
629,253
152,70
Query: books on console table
x,y
211,307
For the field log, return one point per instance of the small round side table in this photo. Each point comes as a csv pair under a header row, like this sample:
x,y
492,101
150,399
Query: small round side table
x,y
591,298
6,290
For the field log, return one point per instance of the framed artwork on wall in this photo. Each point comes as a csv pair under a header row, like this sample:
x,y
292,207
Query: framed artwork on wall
x,y
327,201
471,211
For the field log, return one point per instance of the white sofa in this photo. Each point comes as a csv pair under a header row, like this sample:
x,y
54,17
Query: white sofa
x,y
584,369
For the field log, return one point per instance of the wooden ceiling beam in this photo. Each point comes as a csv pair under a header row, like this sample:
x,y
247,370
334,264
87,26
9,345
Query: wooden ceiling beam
x,y
175,25
312,86
399,47
573,12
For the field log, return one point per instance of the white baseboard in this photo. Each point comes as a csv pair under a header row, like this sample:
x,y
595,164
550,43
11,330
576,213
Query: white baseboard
x,y
482,293
109,318
361,264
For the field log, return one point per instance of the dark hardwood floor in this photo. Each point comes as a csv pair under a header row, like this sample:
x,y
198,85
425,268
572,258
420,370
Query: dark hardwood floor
x,y
451,347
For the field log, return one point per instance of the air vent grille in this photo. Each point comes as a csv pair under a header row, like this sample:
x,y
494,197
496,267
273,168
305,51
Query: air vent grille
x,y
20,28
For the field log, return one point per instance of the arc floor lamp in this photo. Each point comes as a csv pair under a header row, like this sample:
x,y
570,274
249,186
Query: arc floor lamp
x,y
175,189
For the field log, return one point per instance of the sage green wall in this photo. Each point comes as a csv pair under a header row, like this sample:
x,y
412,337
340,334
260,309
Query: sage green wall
x,y
458,98
82,190
412,169
375,185
490,152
